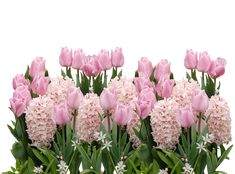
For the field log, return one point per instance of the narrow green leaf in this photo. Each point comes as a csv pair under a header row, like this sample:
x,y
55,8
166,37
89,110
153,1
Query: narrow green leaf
x,y
224,155
40,156
165,159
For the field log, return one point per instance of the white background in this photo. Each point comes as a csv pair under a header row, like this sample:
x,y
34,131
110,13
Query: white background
x,y
153,29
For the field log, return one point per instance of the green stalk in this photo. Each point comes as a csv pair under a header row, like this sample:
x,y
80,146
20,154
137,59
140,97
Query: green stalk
x,y
109,129
74,119
119,139
71,160
214,85
105,78
63,137
203,81
188,138
112,161
199,123
77,79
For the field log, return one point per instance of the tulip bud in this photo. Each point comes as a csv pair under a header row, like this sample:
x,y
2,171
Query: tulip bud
x,y
145,67
37,67
61,114
78,59
18,106
104,60
39,84
117,57
66,57
164,87
22,92
108,99
143,108
122,114
162,70
200,101
190,60
19,80
204,62
185,117
217,68
74,98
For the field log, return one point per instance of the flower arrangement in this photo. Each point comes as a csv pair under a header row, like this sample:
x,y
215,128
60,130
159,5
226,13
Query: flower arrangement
x,y
87,122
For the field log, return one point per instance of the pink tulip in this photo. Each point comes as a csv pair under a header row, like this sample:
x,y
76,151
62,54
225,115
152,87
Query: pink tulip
x,y
37,67
104,60
162,70
66,57
142,83
143,108
91,66
74,98
117,57
204,62
122,114
18,106
108,99
185,117
145,67
78,59
148,95
19,80
200,101
61,114
20,100
39,84
22,92
190,60
164,87
217,68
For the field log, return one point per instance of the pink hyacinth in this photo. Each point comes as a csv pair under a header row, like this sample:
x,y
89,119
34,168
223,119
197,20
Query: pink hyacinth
x,y
37,67
219,120
134,123
19,80
66,57
41,127
191,59
87,120
145,67
165,128
162,70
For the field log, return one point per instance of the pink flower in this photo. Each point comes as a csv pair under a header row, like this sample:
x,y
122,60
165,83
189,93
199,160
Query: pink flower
x,y
185,117
108,99
200,101
122,114
37,67
104,60
190,60
143,108
145,67
61,114
117,57
91,66
217,68
148,95
19,80
162,70
66,57
74,98
142,83
164,87
204,62
39,84
78,59
20,100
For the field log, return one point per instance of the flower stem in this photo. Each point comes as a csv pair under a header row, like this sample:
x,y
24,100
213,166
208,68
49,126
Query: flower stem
x,y
77,79
71,160
199,123
203,81
112,161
